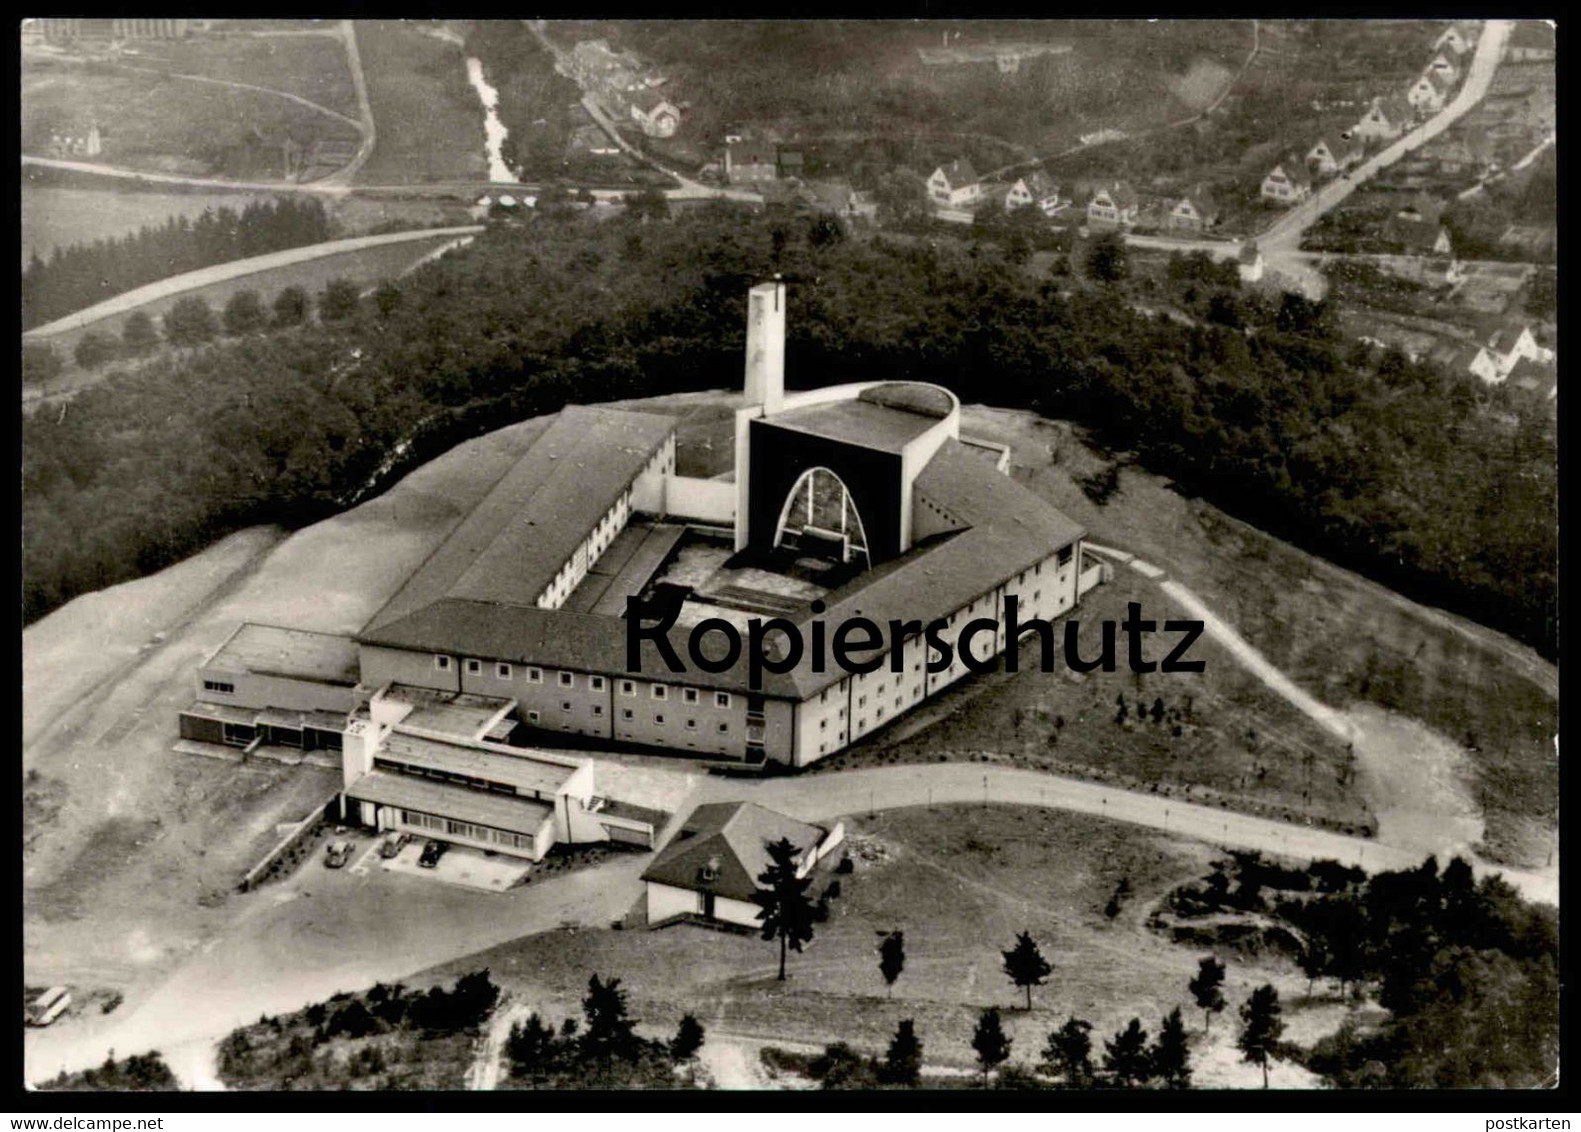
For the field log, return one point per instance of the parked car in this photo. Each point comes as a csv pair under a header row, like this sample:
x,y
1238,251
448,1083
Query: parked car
x,y
48,1006
431,854
338,853
393,844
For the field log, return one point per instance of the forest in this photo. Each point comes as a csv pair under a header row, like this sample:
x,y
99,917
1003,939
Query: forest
x,y
80,275
1391,468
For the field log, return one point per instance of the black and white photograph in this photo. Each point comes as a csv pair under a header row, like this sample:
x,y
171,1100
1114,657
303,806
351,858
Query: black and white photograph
x,y
962,556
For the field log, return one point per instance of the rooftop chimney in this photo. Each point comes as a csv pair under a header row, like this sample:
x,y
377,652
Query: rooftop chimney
x,y
766,346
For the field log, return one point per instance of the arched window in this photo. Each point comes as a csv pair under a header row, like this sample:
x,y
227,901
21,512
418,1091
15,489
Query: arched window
x,y
820,518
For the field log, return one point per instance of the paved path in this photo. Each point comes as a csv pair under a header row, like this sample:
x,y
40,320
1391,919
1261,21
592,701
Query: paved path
x,y
235,269
485,1072
1280,242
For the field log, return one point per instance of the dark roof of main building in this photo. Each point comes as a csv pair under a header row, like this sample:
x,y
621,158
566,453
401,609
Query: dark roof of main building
x,y
514,542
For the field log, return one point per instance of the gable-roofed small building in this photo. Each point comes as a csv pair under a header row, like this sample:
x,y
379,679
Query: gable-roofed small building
x,y
955,184
1386,118
710,867
1286,182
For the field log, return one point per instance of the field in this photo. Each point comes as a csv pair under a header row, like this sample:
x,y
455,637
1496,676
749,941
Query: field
x,y
165,125
59,215
62,209
429,120
843,80
366,268
960,881
310,67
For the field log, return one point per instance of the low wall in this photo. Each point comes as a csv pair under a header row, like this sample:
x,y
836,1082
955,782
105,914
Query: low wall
x,y
289,849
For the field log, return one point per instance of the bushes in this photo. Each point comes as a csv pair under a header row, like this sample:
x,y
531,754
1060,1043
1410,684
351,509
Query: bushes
x,y
94,350
189,323
40,362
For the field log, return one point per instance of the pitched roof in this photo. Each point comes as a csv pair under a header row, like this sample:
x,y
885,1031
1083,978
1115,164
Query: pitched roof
x,y
722,848
1121,192
513,543
960,172
750,152
1203,200
1393,107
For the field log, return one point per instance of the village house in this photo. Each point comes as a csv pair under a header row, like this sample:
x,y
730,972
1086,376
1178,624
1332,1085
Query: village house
x,y
1456,37
1325,161
955,184
709,871
1386,118
1532,41
1112,205
1445,68
1286,183
1195,212
749,162
1037,188
1509,346
1428,93
654,114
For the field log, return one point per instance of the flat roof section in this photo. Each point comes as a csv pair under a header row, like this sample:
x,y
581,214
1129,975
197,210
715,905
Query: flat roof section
x,y
498,811
454,713
270,650
521,771
863,423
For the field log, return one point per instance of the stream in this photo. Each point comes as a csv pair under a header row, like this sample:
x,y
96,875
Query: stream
x,y
493,129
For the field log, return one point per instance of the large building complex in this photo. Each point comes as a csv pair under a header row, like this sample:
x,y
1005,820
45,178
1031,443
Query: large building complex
x,y
864,498
849,502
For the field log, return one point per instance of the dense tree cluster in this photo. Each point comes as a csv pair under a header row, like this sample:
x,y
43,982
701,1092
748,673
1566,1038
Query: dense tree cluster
x,y
295,1051
140,1073
79,275
1467,969
604,1051
1383,465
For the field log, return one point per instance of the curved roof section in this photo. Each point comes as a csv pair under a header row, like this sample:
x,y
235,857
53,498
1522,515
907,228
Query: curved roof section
x,y
912,397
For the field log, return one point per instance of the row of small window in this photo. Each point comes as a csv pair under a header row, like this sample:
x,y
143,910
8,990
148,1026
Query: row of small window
x,y
625,714
568,680
222,686
465,829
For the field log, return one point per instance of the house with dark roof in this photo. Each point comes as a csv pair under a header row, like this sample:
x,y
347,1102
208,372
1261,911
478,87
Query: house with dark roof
x,y
1326,160
1113,205
654,114
710,868
1286,182
1428,93
750,162
955,184
1531,41
1456,38
1387,118
1036,188
1195,212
